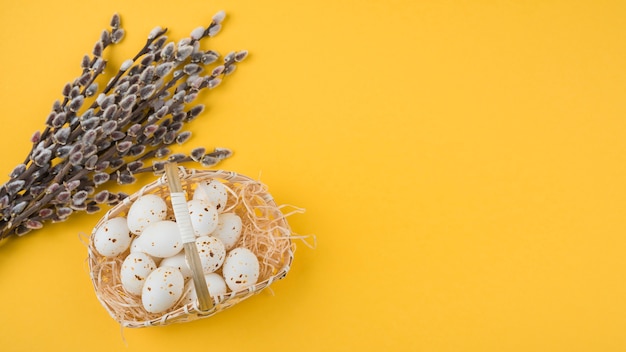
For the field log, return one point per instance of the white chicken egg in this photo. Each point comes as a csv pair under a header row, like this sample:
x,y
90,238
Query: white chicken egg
x,y
179,262
160,239
112,238
241,269
163,288
213,192
216,285
146,210
136,245
203,216
228,229
135,271
212,253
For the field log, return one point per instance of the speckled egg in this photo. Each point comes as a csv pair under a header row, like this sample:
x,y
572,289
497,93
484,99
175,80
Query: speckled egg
x,y
204,217
146,210
160,239
163,288
135,271
179,262
112,238
136,245
213,192
241,269
228,229
216,285
212,253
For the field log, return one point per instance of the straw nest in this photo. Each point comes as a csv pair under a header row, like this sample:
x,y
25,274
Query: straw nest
x,y
265,232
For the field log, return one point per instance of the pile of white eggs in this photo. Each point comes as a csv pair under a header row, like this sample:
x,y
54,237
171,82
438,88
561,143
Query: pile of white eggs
x,y
155,268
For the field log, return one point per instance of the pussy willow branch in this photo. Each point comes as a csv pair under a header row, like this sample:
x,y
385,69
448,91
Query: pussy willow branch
x,y
95,137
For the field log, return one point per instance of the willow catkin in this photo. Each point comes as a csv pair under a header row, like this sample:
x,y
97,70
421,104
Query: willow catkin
x,y
101,134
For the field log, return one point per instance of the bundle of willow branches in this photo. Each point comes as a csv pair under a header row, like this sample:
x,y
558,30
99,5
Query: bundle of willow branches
x,y
102,134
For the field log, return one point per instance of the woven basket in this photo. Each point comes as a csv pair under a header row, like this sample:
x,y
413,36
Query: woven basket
x,y
265,232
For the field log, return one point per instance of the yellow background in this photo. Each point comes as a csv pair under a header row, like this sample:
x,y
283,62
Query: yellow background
x,y
462,164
